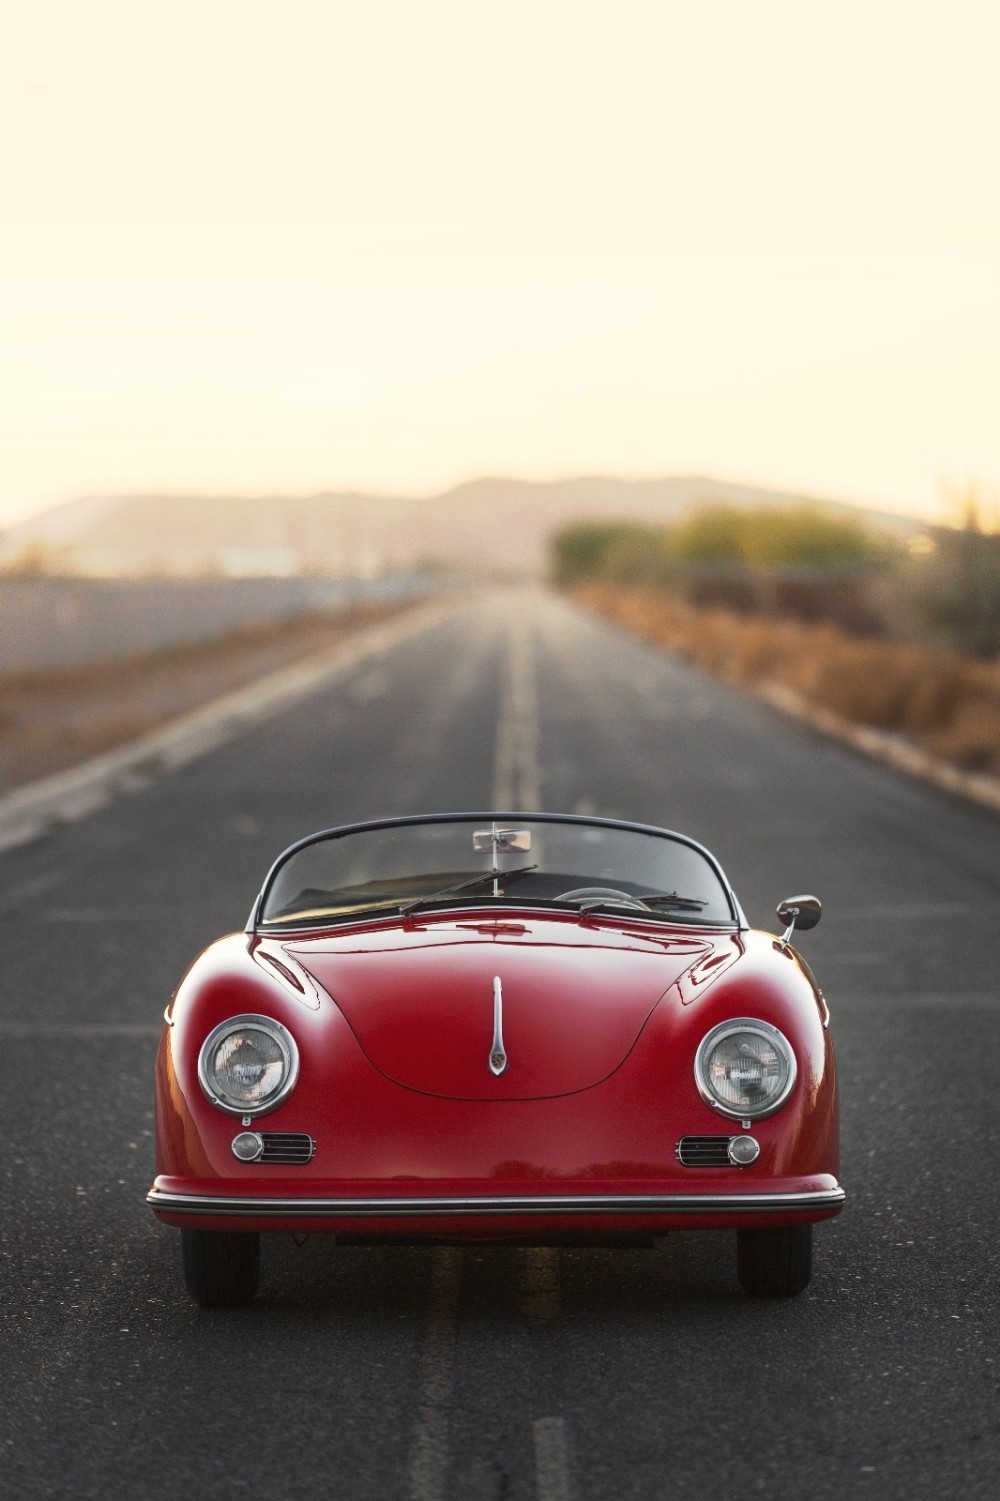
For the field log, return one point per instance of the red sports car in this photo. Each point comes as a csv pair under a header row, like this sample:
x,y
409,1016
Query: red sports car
x,y
530,1029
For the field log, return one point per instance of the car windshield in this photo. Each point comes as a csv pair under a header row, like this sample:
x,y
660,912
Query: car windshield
x,y
408,866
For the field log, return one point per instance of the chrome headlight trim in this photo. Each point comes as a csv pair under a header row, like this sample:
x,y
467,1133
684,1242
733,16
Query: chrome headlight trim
x,y
272,1029
762,1029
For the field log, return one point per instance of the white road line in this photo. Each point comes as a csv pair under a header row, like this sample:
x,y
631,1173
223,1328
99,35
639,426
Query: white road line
x,y
30,811
428,1467
552,1478
515,777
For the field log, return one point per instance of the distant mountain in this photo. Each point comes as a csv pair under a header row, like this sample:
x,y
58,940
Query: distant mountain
x,y
62,524
494,525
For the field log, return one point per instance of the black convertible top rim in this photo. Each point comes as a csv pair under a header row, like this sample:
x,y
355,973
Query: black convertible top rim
x,y
494,815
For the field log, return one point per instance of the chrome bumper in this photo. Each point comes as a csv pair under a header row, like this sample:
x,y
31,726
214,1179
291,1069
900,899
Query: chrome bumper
x,y
825,1200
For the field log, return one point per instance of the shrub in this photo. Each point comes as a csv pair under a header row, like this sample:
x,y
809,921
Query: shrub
x,y
802,535
624,551
958,588
799,561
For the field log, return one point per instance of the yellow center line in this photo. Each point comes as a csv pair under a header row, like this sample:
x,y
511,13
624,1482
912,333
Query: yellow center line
x,y
552,1477
515,779
540,1283
429,1456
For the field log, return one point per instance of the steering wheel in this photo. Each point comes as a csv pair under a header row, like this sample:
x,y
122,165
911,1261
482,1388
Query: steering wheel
x,y
601,894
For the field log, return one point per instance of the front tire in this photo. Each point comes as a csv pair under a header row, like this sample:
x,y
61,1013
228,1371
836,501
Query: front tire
x,y
774,1263
221,1267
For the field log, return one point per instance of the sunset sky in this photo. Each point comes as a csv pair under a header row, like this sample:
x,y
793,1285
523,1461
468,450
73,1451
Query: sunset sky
x,y
254,246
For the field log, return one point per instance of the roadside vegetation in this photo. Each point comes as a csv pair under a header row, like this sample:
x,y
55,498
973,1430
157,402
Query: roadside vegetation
x,y
818,606
799,562
714,535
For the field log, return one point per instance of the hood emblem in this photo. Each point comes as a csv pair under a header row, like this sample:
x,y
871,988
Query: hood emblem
x,y
498,1057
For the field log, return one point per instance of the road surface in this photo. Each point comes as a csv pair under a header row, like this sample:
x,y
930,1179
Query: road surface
x,y
547,1375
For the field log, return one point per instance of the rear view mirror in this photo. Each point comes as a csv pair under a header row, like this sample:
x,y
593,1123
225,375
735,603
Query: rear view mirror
x,y
501,841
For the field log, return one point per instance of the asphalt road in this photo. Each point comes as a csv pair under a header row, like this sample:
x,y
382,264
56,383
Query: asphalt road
x,y
564,1375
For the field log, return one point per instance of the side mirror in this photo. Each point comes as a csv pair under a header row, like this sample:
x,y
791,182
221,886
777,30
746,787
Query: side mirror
x,y
801,912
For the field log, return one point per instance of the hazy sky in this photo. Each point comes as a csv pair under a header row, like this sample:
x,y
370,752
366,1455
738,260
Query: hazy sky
x,y
393,244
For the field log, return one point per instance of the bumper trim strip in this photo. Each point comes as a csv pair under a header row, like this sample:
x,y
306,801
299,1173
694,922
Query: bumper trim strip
x,y
825,1199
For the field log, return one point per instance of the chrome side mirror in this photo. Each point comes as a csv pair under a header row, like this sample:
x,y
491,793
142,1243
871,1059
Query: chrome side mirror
x,y
798,912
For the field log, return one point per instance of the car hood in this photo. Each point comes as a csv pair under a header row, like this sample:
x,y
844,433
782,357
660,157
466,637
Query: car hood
x,y
575,998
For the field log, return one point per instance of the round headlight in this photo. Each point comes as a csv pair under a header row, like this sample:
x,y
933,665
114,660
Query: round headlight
x,y
248,1065
745,1069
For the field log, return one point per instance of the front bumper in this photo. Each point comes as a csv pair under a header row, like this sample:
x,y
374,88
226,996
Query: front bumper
x,y
496,1216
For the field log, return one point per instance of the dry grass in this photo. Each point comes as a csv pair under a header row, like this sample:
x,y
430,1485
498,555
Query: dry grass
x,y
948,702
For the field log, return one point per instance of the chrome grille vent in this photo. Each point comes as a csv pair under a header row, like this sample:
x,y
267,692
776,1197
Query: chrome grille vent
x,y
704,1151
287,1148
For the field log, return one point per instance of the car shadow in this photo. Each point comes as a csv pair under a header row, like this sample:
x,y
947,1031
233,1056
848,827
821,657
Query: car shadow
x,y
540,1286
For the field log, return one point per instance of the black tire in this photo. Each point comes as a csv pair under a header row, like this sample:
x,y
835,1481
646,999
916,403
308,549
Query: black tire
x,y
774,1263
221,1267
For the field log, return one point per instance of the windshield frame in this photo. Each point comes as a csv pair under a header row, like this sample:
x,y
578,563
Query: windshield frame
x,y
253,926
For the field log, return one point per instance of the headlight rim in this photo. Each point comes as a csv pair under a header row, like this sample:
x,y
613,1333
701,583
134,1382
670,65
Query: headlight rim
x,y
254,1021
744,1024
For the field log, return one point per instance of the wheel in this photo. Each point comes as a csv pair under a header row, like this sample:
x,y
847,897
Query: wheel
x,y
601,894
221,1267
774,1263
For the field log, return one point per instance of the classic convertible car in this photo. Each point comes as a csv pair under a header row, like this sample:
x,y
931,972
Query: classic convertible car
x,y
530,1029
